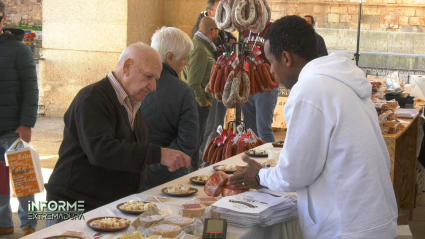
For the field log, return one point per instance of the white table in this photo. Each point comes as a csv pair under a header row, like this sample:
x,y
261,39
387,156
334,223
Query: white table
x,y
288,230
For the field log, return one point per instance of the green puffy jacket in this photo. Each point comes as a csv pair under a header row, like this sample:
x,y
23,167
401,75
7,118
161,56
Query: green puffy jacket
x,y
197,72
18,82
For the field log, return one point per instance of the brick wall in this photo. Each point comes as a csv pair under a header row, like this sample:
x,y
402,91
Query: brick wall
x,y
27,11
380,15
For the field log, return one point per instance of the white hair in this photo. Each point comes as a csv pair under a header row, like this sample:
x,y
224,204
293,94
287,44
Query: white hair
x,y
135,48
171,39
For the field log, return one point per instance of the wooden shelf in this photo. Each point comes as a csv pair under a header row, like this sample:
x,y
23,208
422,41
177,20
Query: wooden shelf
x,y
402,147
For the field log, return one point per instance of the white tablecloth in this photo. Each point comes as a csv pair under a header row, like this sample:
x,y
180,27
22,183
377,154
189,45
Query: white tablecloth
x,y
288,230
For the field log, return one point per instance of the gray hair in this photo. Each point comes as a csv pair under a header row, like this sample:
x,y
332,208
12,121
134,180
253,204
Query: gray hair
x,y
171,39
210,4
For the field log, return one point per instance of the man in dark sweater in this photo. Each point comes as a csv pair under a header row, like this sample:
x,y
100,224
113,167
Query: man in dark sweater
x,y
171,113
105,149
18,111
321,46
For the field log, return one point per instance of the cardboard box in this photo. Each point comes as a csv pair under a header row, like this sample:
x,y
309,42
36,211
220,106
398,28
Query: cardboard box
x,y
404,232
403,216
279,119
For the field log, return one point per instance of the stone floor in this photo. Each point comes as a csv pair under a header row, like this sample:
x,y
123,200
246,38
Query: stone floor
x,y
47,136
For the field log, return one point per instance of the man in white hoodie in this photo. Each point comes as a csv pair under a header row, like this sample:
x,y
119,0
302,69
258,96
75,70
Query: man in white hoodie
x,y
334,155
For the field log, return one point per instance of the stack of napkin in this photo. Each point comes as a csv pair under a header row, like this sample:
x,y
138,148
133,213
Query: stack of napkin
x,y
258,208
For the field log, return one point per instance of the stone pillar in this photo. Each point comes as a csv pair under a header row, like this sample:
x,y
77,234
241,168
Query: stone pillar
x,y
82,41
182,14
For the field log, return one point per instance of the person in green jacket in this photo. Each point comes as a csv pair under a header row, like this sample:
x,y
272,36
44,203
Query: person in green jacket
x,y
18,111
197,74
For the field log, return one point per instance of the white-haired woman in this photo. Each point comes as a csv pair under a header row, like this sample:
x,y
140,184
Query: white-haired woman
x,y
171,112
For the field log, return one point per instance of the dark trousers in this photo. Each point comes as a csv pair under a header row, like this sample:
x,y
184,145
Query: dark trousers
x,y
215,118
203,113
158,174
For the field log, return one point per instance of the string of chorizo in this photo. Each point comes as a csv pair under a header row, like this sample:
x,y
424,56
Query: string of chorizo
x,y
272,76
246,90
262,76
217,82
234,92
269,12
260,85
228,86
219,15
233,16
205,156
256,24
242,5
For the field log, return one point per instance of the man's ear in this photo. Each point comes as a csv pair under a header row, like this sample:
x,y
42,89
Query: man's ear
x,y
126,66
169,58
286,58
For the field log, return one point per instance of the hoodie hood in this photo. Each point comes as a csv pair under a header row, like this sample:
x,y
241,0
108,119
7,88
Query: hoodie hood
x,y
13,34
339,67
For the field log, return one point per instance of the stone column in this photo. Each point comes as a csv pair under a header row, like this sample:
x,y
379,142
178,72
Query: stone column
x,y
82,41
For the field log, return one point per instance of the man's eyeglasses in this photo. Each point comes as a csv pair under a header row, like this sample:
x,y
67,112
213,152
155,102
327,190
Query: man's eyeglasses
x,y
215,29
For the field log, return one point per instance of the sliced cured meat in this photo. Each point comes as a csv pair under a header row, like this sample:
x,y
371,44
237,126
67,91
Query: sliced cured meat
x,y
230,190
215,184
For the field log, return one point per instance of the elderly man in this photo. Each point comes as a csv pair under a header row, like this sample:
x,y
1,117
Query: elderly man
x,y
334,154
197,74
18,111
105,149
171,113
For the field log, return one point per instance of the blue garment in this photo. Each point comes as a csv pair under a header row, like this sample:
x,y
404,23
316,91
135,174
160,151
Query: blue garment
x,y
18,82
171,115
5,210
258,114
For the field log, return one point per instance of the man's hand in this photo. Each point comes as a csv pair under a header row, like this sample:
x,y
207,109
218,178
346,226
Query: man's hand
x,y
232,40
24,133
174,159
208,104
246,179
